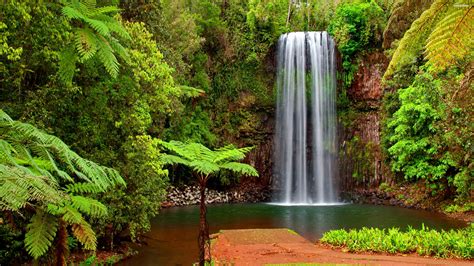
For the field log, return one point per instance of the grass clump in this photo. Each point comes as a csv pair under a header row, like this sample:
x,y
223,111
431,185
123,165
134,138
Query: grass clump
x,y
443,244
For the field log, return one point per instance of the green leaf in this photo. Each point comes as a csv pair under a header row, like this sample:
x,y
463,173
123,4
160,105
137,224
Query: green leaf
x,y
40,234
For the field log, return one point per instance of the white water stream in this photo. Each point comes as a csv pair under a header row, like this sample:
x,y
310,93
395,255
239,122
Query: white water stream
x,y
305,142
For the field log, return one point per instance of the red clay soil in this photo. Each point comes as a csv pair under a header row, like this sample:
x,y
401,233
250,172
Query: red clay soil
x,y
283,246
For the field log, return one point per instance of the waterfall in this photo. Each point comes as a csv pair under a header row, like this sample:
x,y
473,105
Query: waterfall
x,y
305,141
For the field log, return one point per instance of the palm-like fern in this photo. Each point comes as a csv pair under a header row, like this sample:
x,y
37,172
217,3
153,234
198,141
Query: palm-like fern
x,y
452,37
206,162
94,38
38,172
444,30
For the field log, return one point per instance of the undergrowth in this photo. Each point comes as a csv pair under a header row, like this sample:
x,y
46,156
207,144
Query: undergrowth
x,y
443,244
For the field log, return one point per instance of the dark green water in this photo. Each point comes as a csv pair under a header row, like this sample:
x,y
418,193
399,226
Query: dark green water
x,y
173,238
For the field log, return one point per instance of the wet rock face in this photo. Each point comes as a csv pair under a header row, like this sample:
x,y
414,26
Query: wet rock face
x,y
367,84
360,158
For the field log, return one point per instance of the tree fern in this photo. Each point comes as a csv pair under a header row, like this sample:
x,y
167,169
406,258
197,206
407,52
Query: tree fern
x,y
451,39
93,38
39,171
29,139
444,30
41,232
206,162
413,40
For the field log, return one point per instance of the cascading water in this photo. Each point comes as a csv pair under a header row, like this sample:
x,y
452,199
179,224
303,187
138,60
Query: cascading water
x,y
305,143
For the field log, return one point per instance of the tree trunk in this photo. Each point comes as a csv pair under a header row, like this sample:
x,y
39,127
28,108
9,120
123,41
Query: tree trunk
x,y
61,244
203,239
289,12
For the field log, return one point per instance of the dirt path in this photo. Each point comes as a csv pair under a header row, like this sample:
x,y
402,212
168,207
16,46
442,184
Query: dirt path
x,y
283,246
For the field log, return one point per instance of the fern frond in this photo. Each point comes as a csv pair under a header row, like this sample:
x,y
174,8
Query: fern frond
x,y
70,214
84,233
98,26
72,13
89,206
5,117
173,159
230,153
205,161
40,234
18,187
93,37
413,41
451,39
89,4
189,151
107,58
82,188
114,26
67,65
240,168
86,43
55,149
204,167
119,49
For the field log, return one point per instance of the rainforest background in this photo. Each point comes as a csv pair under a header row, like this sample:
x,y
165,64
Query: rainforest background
x,y
113,78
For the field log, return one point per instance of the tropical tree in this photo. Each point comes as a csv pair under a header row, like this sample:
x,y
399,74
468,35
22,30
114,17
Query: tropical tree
x,y
206,163
41,178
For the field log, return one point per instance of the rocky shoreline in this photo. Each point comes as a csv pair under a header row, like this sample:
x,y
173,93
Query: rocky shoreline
x,y
189,195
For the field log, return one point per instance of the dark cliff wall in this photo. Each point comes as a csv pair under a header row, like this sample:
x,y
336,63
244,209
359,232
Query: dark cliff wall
x,y
360,157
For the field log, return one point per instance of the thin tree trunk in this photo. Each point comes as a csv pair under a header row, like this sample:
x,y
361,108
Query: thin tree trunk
x,y
61,245
289,12
203,239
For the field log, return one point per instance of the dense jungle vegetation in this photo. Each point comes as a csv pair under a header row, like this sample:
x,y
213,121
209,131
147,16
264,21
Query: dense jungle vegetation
x,y
89,90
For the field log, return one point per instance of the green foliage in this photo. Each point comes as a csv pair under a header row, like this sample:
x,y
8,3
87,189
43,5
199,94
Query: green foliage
x,y
442,30
357,26
450,40
444,244
32,34
413,125
35,171
426,137
40,235
132,208
205,161
95,37
459,208
385,187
